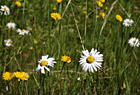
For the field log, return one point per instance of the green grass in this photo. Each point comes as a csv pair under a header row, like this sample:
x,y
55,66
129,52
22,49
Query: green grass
x,y
120,65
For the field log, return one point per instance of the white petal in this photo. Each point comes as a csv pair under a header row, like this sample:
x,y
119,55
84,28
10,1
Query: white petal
x,y
42,71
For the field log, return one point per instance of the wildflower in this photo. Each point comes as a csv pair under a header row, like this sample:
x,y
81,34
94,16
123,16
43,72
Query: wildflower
x,y
21,75
54,8
11,25
18,3
102,14
90,61
78,78
22,32
99,3
58,1
128,22
84,12
45,61
7,76
8,42
66,59
102,1
56,16
119,18
134,42
5,9
106,8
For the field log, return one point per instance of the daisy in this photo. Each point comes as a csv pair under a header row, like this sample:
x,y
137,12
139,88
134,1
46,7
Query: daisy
x,y
5,9
11,25
44,62
90,61
8,42
134,42
22,32
128,22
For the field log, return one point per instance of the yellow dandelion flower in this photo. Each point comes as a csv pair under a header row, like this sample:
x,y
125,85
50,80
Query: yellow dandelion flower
x,y
18,3
56,16
84,12
99,3
7,76
102,1
58,1
54,8
66,59
106,8
21,75
119,18
102,14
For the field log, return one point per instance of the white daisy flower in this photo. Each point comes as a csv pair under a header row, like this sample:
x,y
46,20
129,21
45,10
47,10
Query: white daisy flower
x,y
78,78
128,22
22,32
90,61
8,42
5,9
134,42
44,62
11,25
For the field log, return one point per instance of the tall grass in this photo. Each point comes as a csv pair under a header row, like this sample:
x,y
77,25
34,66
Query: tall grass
x,y
120,72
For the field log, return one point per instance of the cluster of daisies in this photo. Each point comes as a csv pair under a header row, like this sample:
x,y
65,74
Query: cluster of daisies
x,y
128,22
6,11
90,61
19,75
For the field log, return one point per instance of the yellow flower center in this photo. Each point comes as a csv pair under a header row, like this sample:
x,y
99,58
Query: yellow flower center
x,y
4,9
43,63
10,25
128,22
10,43
134,42
90,59
22,30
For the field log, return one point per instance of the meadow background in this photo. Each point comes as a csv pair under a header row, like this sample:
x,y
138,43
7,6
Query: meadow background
x,y
120,72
